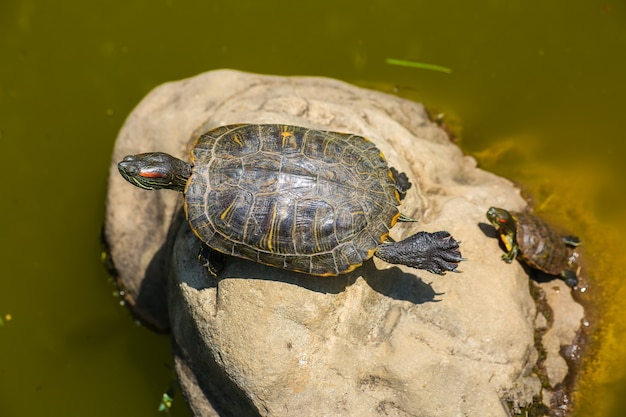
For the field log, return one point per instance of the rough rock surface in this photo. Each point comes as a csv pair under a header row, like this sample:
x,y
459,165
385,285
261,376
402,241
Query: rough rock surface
x,y
382,340
567,317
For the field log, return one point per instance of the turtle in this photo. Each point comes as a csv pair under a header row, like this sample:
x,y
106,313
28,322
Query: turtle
x,y
534,242
305,200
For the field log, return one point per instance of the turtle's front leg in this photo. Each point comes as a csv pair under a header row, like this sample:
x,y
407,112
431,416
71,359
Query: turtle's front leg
x,y
434,252
511,254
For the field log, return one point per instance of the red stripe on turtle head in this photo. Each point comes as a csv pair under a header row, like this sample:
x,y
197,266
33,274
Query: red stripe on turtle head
x,y
152,174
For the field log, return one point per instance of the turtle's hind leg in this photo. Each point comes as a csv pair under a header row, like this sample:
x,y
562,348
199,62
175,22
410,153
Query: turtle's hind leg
x,y
434,252
571,241
570,278
211,259
402,182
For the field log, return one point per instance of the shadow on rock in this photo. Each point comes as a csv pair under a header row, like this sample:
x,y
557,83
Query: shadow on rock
x,y
397,284
242,268
151,305
488,230
393,283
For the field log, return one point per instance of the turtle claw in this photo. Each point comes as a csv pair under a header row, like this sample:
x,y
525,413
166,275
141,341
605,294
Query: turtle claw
x,y
212,260
510,255
506,259
443,267
445,253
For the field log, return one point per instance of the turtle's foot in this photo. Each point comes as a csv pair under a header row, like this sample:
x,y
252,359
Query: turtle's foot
x,y
510,255
434,252
571,241
212,260
506,258
570,278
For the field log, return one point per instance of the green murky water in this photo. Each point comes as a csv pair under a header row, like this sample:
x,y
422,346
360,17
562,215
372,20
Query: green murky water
x,y
538,86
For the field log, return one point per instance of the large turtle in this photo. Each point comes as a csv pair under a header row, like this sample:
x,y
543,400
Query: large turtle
x,y
304,200
536,243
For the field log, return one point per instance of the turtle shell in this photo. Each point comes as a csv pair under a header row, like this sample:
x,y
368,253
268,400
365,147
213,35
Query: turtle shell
x,y
300,199
540,245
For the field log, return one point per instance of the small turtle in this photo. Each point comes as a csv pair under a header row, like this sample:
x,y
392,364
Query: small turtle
x,y
303,200
535,243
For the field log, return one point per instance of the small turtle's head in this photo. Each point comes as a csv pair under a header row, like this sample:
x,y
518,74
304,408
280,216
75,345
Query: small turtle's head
x,y
155,170
500,218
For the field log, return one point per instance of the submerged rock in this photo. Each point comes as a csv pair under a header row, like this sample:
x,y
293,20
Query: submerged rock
x,y
382,340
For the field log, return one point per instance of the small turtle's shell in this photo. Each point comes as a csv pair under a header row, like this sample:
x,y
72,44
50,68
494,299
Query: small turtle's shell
x,y
305,200
540,245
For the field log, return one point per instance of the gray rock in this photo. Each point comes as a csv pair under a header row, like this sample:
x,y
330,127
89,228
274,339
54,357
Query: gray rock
x,y
383,340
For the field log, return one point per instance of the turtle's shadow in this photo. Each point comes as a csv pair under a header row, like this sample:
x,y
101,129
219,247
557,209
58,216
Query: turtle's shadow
x,y
392,282
242,268
538,276
488,230
397,284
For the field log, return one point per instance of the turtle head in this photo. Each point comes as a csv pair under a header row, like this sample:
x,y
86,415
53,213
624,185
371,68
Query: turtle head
x,y
501,219
155,170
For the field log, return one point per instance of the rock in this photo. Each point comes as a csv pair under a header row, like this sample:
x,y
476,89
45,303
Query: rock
x,y
567,318
382,340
